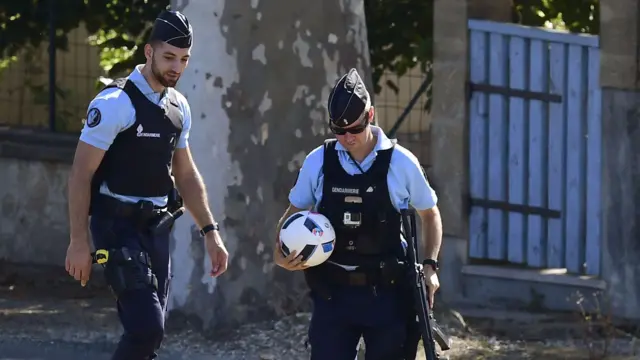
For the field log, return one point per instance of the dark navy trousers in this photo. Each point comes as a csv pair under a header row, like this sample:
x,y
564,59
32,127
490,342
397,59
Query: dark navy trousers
x,y
141,311
339,320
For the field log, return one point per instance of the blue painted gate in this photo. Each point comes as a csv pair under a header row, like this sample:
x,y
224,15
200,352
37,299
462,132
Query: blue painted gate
x,y
534,147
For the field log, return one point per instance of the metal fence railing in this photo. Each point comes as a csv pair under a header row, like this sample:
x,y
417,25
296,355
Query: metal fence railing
x,y
48,88
403,113
52,66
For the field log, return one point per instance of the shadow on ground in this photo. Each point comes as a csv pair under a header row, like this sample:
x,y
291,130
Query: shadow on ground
x,y
40,300
33,297
531,352
506,335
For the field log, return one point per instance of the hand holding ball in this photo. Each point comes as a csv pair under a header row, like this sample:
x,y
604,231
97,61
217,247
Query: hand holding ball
x,y
310,235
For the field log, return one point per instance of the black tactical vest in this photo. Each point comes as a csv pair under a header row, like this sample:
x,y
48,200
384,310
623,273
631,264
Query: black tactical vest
x,y
138,163
359,208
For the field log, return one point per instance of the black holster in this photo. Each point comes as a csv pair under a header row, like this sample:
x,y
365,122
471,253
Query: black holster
x,y
166,221
175,201
128,269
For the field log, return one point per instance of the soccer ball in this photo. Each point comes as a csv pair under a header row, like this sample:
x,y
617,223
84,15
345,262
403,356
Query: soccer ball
x,y
310,234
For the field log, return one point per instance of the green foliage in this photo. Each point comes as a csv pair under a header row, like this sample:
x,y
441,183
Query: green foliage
x,y
400,36
579,16
26,23
400,31
119,28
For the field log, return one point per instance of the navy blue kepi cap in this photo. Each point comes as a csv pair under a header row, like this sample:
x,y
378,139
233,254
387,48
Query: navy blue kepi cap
x,y
173,28
348,100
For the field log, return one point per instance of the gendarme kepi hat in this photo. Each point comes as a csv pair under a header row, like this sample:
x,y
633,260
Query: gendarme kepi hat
x,y
173,28
348,100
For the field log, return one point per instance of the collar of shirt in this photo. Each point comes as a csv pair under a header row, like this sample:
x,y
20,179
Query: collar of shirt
x,y
138,79
383,143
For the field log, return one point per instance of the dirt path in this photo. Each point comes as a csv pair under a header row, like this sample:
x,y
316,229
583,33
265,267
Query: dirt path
x,y
43,315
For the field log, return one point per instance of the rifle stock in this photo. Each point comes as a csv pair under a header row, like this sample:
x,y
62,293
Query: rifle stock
x,y
431,332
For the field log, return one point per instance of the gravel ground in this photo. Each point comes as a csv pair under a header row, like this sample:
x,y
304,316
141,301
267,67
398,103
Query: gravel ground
x,y
67,322
49,337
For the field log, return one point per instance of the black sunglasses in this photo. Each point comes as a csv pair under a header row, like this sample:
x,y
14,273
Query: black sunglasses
x,y
336,130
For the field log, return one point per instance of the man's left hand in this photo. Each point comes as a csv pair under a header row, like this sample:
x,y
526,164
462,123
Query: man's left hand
x,y
217,253
432,282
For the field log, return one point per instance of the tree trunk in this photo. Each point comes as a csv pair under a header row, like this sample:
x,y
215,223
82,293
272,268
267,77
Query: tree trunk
x,y
257,82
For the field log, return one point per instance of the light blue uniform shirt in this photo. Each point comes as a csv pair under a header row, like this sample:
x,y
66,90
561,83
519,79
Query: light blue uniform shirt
x,y
405,179
118,114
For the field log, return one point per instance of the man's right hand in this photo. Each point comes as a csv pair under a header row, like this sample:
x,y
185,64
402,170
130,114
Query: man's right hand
x,y
292,262
78,262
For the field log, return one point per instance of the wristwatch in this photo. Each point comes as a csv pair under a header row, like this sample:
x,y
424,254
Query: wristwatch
x,y
432,263
210,227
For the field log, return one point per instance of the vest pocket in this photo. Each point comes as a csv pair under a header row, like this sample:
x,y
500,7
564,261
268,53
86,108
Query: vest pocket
x,y
368,245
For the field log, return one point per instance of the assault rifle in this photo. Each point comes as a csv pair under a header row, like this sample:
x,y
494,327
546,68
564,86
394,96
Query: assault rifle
x,y
430,331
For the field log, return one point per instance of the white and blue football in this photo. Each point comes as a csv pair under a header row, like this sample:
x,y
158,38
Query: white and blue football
x,y
310,234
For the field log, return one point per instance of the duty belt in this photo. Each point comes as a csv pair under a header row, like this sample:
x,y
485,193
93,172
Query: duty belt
x,y
386,273
141,211
143,214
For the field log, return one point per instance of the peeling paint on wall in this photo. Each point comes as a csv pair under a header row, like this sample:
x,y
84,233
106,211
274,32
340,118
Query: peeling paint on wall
x,y
301,48
260,81
209,146
258,54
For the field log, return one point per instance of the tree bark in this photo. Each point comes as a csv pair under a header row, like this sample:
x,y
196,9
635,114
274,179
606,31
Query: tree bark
x,y
257,82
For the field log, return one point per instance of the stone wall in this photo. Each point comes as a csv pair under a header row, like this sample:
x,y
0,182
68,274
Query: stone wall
x,y
34,225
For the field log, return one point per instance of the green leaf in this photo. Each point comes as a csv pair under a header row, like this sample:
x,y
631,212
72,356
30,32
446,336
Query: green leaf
x,y
400,32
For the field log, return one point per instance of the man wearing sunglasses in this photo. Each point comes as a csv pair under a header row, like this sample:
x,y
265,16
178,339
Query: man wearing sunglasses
x,y
359,181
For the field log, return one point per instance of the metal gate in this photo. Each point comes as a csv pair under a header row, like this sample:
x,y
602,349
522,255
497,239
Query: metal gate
x,y
534,147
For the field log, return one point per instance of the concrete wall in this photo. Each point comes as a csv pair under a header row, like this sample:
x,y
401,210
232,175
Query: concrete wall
x,y
621,155
33,206
34,225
